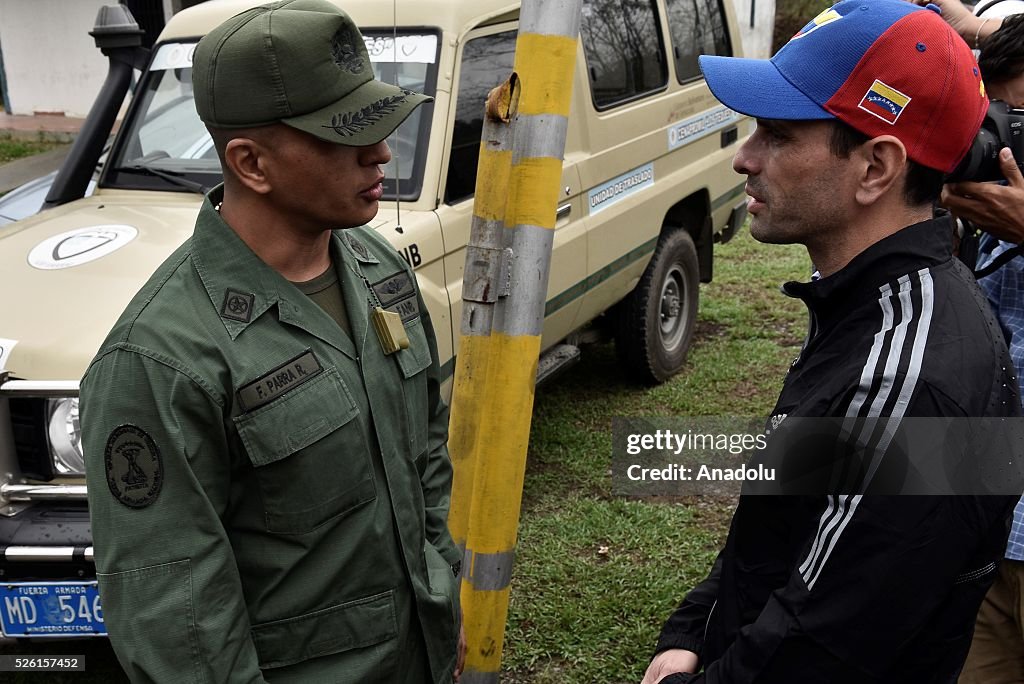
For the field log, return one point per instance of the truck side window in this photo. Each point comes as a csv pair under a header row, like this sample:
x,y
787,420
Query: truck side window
x,y
697,27
624,49
486,62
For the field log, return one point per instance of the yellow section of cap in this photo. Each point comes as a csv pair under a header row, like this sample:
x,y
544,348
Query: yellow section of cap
x,y
533,194
826,17
545,65
492,181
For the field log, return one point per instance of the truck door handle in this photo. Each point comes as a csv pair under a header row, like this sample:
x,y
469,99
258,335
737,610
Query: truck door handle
x,y
563,211
730,135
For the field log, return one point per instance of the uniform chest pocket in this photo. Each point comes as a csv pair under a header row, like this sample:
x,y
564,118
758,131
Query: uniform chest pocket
x,y
413,363
310,455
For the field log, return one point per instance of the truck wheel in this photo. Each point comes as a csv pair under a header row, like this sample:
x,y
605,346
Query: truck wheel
x,y
656,320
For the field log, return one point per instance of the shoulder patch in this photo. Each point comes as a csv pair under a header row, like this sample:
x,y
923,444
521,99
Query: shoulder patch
x,y
237,305
135,470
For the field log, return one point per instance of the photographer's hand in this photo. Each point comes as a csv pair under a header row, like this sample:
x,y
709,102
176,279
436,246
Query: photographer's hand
x,y
997,209
962,20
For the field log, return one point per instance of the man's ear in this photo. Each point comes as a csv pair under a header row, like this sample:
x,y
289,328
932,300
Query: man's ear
x,y
884,163
247,160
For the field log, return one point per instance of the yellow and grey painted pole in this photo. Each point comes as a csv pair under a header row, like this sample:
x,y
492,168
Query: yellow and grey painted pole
x,y
505,288
479,294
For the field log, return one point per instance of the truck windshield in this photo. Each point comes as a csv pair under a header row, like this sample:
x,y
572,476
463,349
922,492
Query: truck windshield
x,y
164,146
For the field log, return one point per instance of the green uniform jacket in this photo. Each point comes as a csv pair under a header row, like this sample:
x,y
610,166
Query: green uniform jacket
x,y
268,499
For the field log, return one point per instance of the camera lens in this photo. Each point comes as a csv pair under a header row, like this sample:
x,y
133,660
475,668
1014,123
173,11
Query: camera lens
x,y
982,160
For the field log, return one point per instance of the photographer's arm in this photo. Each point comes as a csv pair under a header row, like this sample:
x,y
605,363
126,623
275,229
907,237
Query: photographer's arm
x,y
997,209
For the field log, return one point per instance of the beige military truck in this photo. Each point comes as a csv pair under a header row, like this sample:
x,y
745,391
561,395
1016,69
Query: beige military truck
x,y
647,189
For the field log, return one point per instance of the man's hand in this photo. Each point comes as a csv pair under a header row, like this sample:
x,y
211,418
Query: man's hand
x,y
669,662
997,209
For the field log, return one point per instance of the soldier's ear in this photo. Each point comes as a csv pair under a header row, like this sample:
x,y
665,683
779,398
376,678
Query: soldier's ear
x,y
246,160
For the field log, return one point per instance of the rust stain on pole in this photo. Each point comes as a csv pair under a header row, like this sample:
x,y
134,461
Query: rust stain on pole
x,y
503,101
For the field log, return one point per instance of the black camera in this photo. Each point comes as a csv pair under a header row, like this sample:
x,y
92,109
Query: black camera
x,y
1003,127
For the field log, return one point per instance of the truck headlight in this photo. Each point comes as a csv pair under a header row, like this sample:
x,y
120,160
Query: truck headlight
x,y
65,435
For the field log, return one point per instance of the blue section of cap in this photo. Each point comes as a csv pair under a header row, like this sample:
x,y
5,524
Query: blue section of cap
x,y
819,62
808,70
756,88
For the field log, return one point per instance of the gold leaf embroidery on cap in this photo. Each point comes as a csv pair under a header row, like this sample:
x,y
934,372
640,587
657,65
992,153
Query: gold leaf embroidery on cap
x,y
350,123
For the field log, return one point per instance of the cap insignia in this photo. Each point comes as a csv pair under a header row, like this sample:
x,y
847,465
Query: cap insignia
x,y
344,52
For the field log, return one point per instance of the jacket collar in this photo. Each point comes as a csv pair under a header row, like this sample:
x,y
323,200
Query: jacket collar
x,y
922,245
242,287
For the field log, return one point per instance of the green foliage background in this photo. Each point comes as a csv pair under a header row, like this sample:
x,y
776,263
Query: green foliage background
x,y
791,15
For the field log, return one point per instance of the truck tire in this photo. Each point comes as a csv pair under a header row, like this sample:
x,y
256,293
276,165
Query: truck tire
x,y
656,320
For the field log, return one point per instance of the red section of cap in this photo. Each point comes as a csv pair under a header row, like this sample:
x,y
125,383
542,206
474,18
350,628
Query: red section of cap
x,y
922,58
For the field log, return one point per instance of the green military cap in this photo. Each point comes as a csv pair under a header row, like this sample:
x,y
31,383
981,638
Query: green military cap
x,y
299,62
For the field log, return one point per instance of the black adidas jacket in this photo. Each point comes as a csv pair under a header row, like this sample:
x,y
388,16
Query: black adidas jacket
x,y
865,588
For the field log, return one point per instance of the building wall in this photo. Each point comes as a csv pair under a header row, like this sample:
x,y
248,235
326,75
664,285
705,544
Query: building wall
x,y
757,39
50,60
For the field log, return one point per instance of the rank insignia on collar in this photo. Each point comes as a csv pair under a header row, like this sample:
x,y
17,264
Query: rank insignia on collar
x,y
358,248
237,305
135,470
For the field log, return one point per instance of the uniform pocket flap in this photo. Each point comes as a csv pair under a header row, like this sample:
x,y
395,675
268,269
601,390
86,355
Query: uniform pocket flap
x,y
416,358
297,419
156,599
354,624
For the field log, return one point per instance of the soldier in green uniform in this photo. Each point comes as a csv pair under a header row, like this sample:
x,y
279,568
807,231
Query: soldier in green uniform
x,y
267,466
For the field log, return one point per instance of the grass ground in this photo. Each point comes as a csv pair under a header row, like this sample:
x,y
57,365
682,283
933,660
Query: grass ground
x,y
596,575
12,148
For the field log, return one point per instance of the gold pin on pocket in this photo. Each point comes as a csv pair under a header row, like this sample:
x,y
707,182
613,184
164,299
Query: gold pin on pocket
x,y
390,330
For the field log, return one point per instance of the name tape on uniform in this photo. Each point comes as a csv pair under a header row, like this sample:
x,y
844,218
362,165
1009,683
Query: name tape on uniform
x,y
278,381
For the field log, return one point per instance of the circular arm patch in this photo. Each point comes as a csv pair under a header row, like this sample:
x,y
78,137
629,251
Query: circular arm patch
x,y
135,471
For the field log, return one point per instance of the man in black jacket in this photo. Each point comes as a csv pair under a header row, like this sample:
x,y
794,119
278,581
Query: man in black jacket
x,y
859,116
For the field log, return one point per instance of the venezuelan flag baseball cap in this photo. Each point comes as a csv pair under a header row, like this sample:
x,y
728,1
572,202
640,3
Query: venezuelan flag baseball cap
x,y
884,67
